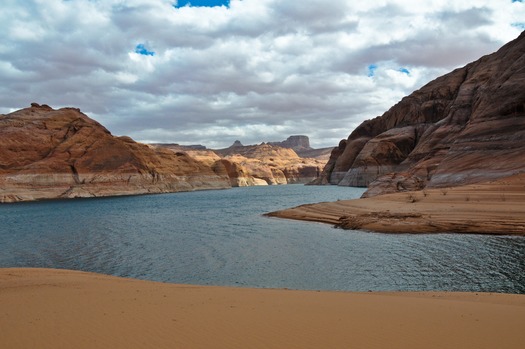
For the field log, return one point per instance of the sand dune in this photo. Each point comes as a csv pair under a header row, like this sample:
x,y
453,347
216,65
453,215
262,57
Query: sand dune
x,y
496,207
42,308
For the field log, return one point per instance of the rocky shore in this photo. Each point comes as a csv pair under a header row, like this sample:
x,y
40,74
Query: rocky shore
x,y
496,207
450,157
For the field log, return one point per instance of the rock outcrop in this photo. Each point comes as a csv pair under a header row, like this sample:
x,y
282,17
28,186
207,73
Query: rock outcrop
x,y
465,127
299,142
301,145
178,147
263,164
47,154
266,164
495,207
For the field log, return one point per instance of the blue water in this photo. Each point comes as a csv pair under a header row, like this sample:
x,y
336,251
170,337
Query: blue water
x,y
221,238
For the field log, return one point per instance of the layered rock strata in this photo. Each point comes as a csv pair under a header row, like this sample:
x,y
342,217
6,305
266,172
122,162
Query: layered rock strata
x,y
266,164
254,165
465,127
48,154
301,145
496,207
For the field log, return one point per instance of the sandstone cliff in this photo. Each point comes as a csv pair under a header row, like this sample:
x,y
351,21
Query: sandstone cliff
x,y
263,164
301,145
266,164
47,153
464,127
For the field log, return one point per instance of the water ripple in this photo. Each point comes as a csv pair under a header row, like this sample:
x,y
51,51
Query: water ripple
x,y
221,238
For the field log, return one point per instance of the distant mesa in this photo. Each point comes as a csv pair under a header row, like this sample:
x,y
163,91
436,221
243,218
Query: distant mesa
x,y
465,127
294,142
179,147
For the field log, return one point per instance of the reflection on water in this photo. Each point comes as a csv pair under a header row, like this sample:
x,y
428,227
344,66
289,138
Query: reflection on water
x,y
221,238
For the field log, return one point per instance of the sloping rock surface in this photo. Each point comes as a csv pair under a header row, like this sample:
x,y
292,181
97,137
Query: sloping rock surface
x,y
262,164
301,145
465,127
266,164
47,153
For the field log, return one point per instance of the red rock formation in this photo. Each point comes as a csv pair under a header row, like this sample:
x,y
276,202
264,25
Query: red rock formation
x,y
49,153
262,164
268,164
464,127
239,176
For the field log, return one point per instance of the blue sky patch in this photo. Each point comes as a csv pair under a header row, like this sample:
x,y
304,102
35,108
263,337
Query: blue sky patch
x,y
520,25
372,70
142,50
405,71
201,3
517,0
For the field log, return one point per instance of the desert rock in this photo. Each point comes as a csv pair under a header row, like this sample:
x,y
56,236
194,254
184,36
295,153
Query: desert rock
x,y
467,126
49,153
494,207
267,164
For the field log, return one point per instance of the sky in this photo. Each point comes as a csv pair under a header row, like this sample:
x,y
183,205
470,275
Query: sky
x,y
212,72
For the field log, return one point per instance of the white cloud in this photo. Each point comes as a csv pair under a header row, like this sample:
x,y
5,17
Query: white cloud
x,y
257,71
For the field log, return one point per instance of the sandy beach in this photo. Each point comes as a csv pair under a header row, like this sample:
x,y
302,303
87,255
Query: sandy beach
x,y
43,308
496,207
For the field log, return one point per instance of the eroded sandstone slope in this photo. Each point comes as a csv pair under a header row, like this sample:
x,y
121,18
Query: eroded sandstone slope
x,y
261,164
465,127
47,153
268,164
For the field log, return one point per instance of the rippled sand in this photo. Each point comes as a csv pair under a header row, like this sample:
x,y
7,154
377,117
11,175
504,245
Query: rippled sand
x,y
43,308
494,208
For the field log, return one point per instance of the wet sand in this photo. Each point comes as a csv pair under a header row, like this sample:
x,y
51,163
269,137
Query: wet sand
x,y
43,308
496,207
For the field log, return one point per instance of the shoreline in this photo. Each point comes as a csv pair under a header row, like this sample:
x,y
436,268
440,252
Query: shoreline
x,y
51,308
496,208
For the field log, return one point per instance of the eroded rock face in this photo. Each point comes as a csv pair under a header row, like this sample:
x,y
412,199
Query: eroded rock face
x,y
301,145
266,164
49,153
464,127
239,176
296,143
262,164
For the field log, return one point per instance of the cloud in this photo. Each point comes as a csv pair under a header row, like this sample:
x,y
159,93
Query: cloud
x,y
255,70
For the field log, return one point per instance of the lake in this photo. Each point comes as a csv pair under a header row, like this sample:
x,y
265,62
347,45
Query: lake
x,y
222,238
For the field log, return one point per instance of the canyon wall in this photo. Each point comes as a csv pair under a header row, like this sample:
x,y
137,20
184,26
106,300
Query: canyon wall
x,y
464,127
